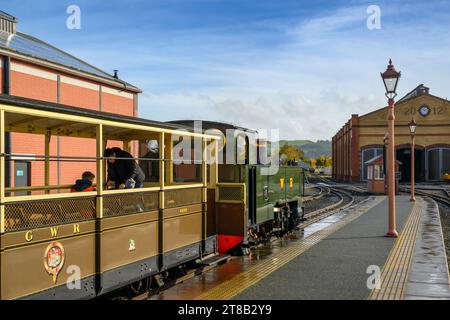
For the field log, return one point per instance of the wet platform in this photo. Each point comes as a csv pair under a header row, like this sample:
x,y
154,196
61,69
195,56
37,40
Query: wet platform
x,y
339,257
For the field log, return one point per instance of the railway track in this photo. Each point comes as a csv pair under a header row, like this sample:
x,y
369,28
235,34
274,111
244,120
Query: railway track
x,y
342,199
440,195
322,192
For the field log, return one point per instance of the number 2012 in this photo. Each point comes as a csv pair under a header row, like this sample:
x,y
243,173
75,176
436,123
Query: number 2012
x,y
435,110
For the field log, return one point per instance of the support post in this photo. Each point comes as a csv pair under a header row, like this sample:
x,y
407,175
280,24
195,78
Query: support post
x,y
413,196
99,207
214,168
100,171
204,191
161,163
204,164
127,146
168,158
48,138
391,171
2,171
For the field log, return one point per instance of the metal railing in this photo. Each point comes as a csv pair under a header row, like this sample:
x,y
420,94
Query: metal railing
x,y
39,206
231,193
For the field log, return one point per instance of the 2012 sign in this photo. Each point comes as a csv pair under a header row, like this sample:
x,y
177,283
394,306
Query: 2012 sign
x,y
424,111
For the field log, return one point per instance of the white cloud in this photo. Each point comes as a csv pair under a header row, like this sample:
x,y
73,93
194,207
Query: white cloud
x,y
305,78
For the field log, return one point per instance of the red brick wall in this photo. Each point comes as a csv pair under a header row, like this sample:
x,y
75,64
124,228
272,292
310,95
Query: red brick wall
x,y
346,155
354,152
76,147
33,144
31,85
117,104
76,95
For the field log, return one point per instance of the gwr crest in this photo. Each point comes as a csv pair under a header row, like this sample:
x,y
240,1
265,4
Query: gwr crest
x,y
54,257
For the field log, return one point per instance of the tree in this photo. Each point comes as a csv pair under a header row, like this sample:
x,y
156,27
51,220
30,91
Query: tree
x,y
289,152
324,161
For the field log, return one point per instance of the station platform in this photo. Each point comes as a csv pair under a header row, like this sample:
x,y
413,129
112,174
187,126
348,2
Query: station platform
x,y
344,256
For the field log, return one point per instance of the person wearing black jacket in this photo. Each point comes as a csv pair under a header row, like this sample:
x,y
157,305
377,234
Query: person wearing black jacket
x,y
123,171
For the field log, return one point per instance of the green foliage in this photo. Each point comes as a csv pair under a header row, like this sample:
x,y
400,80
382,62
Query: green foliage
x,y
323,162
289,152
312,150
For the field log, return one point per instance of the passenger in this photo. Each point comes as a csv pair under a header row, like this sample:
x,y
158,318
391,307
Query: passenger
x,y
122,173
85,183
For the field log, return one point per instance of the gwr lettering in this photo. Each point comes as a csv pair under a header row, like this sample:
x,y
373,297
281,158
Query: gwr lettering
x,y
54,231
29,236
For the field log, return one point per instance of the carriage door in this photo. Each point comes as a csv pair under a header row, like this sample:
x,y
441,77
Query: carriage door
x,y
22,176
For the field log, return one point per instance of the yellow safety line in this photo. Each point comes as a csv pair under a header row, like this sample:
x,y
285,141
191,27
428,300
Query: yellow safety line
x,y
395,270
263,268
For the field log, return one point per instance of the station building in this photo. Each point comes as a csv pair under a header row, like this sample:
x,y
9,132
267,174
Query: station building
x,y
31,68
361,139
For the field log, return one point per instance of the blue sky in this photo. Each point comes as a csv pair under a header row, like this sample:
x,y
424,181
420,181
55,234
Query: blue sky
x,y
302,67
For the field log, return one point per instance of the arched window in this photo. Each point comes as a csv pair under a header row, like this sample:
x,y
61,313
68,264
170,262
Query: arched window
x,y
438,163
366,155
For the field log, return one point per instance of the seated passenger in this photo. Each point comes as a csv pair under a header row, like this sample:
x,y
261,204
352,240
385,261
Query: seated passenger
x,y
85,183
123,173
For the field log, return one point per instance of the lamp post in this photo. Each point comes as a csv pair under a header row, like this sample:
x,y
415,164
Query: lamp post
x,y
390,79
412,129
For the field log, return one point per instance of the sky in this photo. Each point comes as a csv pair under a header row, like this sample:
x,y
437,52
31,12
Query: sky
x,y
303,67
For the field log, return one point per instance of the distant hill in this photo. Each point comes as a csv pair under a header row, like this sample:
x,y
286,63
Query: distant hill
x,y
313,150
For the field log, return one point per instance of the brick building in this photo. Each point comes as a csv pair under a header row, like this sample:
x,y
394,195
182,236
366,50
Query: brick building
x,y
362,138
31,68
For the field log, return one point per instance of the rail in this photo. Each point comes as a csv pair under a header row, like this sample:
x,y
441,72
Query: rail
x,y
427,193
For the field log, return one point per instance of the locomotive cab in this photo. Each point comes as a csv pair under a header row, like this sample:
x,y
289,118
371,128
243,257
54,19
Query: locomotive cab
x,y
252,203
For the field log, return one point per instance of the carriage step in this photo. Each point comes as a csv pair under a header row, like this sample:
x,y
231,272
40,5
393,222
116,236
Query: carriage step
x,y
215,259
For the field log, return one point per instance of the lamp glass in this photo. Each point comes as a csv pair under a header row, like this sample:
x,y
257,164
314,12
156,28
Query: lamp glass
x,y
412,127
390,84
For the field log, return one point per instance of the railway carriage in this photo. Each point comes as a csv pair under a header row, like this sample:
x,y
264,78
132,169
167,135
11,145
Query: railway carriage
x,y
65,245
50,237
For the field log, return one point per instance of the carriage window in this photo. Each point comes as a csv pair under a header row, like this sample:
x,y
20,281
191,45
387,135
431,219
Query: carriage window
x,y
188,168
